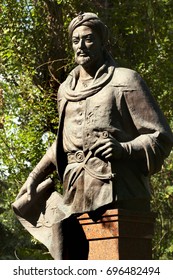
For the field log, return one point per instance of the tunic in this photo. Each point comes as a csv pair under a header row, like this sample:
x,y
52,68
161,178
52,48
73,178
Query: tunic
x,y
119,104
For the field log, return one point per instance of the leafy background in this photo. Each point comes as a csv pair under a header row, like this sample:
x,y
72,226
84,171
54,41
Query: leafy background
x,y
35,57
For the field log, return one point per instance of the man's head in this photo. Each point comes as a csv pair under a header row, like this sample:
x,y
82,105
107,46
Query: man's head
x,y
88,35
91,20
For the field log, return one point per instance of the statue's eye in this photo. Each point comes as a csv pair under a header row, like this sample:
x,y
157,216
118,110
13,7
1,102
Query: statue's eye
x,y
75,41
89,39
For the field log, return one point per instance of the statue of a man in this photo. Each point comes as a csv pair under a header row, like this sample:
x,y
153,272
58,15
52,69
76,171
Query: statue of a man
x,y
112,135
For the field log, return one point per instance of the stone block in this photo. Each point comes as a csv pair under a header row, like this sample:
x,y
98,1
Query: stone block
x,y
119,235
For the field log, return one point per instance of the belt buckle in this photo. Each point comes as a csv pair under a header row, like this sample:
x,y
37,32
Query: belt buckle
x,y
79,156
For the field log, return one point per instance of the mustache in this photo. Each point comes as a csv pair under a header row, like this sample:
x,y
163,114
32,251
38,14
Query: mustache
x,y
79,52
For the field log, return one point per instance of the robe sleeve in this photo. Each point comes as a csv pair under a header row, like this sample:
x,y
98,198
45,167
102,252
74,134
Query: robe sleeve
x,y
45,166
155,138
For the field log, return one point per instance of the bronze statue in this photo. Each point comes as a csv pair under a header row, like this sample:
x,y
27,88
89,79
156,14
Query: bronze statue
x,y
112,137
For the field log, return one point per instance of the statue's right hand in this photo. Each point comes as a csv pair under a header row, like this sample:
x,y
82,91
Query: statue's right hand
x,y
28,188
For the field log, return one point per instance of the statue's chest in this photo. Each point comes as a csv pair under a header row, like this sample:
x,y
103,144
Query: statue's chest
x,y
101,108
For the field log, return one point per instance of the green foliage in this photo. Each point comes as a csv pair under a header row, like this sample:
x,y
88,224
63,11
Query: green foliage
x,y
35,58
162,191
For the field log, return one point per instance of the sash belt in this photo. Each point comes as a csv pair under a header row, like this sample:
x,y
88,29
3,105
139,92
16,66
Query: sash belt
x,y
80,157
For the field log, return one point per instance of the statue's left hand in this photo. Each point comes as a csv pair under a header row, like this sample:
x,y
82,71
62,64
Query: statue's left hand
x,y
108,148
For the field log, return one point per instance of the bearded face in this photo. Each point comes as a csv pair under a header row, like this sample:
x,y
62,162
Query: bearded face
x,y
87,46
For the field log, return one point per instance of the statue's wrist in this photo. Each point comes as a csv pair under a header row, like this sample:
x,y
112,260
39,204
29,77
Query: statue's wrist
x,y
33,175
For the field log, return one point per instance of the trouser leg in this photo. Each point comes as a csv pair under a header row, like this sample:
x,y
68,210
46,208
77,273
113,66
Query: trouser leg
x,y
75,244
68,241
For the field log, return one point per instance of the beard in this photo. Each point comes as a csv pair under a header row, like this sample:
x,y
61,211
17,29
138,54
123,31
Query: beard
x,y
88,59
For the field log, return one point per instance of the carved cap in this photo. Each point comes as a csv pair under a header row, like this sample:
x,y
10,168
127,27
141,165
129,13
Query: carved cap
x,y
91,20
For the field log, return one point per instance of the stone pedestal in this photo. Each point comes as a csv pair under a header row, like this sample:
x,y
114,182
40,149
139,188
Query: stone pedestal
x,y
119,235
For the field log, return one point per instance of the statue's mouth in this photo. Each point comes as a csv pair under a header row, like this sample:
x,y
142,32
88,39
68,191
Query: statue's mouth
x,y
82,54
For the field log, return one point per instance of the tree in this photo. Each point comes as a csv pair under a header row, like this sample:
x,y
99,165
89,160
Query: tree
x,y
36,57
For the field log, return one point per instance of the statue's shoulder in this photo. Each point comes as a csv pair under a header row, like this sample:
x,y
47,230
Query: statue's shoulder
x,y
126,77
125,71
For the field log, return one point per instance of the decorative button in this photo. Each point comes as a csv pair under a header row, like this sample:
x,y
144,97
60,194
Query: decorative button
x,y
80,17
105,134
79,155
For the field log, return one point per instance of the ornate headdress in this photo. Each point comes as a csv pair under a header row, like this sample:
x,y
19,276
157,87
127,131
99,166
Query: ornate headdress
x,y
90,20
